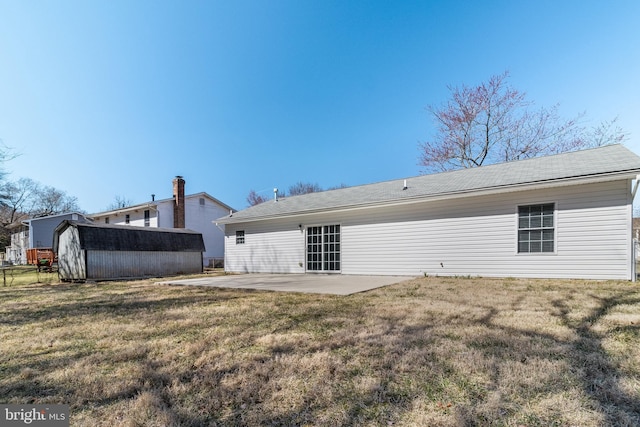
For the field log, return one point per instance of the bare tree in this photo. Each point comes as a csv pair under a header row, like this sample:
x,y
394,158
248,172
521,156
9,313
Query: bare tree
x,y
303,188
337,187
6,154
51,201
119,202
493,122
255,199
17,200
27,197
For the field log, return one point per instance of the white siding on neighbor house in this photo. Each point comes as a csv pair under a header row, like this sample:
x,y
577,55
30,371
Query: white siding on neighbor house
x,y
165,214
17,252
200,217
459,236
136,218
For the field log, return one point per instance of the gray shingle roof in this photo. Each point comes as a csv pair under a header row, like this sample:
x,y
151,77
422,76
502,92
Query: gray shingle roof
x,y
602,161
130,238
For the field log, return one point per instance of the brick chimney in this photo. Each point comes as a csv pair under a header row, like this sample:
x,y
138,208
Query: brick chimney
x,y
178,202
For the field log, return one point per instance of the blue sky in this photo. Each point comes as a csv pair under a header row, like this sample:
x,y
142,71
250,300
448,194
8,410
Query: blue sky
x,y
114,98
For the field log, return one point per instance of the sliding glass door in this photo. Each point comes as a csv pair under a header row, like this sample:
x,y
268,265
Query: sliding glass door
x,y
323,248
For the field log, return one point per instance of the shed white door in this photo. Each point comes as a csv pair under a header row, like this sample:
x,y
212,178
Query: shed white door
x,y
323,248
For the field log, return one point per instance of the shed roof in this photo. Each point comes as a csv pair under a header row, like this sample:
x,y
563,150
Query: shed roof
x,y
608,162
130,238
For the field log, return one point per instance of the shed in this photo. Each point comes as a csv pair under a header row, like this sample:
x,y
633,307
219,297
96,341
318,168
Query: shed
x,y
104,252
562,216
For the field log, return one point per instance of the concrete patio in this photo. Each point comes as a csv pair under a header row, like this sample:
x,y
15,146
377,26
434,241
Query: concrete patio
x,y
335,284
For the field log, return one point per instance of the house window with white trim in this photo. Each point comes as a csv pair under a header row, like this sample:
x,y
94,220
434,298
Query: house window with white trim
x,y
147,218
536,228
240,237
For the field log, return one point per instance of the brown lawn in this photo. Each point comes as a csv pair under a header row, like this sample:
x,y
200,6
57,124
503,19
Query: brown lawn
x,y
430,351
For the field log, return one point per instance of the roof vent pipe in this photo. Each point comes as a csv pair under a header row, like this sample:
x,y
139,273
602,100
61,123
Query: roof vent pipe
x,y
275,194
405,185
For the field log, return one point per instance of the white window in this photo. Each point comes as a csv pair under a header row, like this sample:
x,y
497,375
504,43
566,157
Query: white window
x,y
536,228
240,237
147,218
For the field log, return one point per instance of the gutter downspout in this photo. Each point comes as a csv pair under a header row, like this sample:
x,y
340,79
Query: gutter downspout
x,y
635,188
634,272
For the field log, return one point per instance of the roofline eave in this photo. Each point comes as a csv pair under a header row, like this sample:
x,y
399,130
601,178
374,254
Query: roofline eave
x,y
152,205
534,185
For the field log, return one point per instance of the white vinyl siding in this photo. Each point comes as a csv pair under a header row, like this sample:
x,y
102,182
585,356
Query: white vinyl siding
x,y
459,236
270,247
478,236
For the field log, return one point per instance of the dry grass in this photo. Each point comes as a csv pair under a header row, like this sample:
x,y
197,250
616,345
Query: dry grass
x,y
431,351
17,275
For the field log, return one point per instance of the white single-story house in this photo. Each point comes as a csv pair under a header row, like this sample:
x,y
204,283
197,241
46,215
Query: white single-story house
x,y
562,216
195,212
104,252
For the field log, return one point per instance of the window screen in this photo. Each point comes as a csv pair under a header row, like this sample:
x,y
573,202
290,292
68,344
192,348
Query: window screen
x,y
536,228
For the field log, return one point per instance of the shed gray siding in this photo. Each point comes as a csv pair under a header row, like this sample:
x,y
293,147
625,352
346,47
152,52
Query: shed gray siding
x,y
72,263
466,235
126,264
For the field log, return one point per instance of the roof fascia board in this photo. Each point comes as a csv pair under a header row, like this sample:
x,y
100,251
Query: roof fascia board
x,y
152,205
53,216
191,196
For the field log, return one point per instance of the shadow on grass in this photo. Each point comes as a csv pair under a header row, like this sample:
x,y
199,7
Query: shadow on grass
x,y
83,301
382,366
598,372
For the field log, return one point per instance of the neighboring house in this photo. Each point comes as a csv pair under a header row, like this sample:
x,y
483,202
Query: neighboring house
x,y
562,216
195,212
16,252
103,252
35,233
